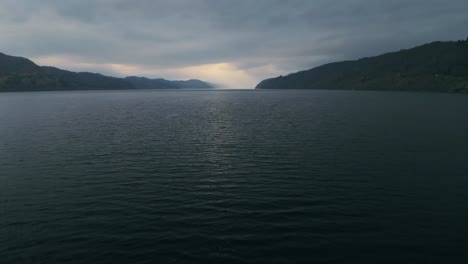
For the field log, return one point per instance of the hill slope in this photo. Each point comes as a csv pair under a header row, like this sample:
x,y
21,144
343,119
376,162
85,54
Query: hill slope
x,y
438,66
20,74
145,83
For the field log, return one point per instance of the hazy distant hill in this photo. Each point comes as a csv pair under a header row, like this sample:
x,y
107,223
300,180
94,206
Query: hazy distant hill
x,y
20,74
438,66
145,83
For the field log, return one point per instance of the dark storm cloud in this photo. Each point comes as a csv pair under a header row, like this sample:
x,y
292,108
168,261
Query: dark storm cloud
x,y
260,38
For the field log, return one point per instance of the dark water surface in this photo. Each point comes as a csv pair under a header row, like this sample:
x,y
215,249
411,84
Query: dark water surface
x,y
233,176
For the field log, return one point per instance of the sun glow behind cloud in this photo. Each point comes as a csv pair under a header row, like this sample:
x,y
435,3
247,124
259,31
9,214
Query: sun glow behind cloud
x,y
224,74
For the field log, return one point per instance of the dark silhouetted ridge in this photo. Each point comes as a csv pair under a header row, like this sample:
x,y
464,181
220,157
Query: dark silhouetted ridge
x,y
20,74
438,67
146,83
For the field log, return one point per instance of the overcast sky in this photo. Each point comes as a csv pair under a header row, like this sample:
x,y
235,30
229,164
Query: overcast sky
x,y
236,43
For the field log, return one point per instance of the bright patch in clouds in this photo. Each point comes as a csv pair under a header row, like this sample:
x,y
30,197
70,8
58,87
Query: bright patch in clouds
x,y
224,74
221,73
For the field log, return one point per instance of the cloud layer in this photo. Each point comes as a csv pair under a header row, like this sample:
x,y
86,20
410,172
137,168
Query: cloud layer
x,y
235,43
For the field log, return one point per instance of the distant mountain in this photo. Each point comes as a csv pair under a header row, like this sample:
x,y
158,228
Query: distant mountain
x,y
438,67
145,83
20,74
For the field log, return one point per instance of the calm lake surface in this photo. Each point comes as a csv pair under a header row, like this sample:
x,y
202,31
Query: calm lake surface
x,y
233,177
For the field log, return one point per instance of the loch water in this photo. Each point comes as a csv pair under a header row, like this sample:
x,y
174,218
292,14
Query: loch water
x,y
233,176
